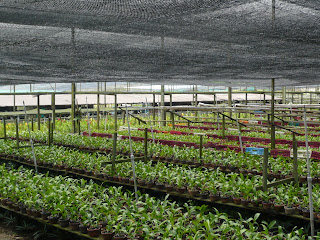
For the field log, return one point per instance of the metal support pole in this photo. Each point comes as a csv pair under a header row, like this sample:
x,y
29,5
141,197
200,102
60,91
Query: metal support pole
x,y
200,147
17,133
38,111
114,153
14,98
246,103
115,113
132,158
171,100
73,106
196,101
4,129
309,178
273,129
295,160
51,134
105,96
150,123
163,113
98,111
53,108
32,126
154,105
88,119
145,145
265,169
79,127
239,129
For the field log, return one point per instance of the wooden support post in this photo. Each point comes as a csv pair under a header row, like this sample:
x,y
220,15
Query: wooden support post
x,y
223,126
38,111
246,103
53,108
73,106
4,129
14,98
115,114
283,95
49,132
172,119
230,100
114,153
98,110
295,160
200,147
273,129
265,169
17,133
145,145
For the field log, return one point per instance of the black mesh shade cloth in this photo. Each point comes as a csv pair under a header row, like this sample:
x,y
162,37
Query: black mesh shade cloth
x,y
208,42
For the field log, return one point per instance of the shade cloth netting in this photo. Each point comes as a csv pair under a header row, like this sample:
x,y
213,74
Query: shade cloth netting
x,y
209,42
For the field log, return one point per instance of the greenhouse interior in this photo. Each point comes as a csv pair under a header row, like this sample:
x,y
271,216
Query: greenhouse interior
x,y
159,119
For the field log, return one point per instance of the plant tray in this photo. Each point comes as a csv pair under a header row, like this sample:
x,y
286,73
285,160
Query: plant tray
x,y
254,151
302,154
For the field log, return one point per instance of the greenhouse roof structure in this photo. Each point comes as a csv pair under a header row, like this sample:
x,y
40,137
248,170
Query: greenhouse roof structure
x,y
208,42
